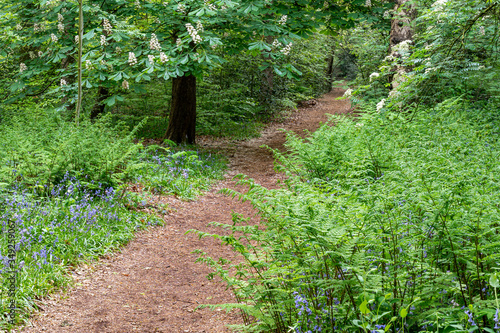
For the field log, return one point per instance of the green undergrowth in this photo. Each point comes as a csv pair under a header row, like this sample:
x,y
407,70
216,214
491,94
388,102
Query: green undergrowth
x,y
54,234
181,172
386,224
65,197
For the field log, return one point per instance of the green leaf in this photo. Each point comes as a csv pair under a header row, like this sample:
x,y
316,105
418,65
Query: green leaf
x,y
364,308
277,71
403,313
89,35
494,282
110,101
117,76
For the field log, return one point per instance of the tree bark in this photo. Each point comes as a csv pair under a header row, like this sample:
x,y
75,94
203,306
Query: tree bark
x,y
182,122
329,70
401,30
267,83
102,95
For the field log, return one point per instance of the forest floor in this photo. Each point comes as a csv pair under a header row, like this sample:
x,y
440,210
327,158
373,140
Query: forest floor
x,y
153,284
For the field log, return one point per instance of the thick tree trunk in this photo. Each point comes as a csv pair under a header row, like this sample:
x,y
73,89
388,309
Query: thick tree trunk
x,y
401,32
102,95
401,27
182,122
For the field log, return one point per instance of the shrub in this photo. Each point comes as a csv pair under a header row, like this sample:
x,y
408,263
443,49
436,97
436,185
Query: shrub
x,y
385,225
40,148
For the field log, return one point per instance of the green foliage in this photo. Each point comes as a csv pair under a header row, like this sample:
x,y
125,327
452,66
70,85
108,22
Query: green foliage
x,y
41,148
180,172
454,53
54,234
387,224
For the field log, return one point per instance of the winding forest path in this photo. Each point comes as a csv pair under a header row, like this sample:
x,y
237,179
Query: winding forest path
x,y
153,284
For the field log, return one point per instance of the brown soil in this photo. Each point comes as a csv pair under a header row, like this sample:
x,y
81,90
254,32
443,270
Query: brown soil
x,y
154,284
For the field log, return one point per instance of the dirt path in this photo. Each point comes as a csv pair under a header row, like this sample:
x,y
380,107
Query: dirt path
x,y
153,284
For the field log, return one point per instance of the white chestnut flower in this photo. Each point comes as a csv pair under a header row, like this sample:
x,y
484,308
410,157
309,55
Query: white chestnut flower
x,y
163,57
178,42
286,49
348,93
107,26
54,38
60,27
104,42
63,82
19,27
154,44
89,65
210,6
181,8
40,53
368,3
151,58
193,33
481,31
283,20
22,67
199,26
276,43
132,60
125,85
32,55
118,50
60,18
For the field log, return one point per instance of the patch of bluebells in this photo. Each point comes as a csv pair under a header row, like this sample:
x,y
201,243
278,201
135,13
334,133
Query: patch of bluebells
x,y
470,318
181,173
310,319
57,227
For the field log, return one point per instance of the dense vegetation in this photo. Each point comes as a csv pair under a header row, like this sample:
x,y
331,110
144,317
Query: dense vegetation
x,y
77,183
387,222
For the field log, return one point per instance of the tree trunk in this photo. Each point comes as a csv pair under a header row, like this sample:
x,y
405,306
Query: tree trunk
x,y
329,70
401,31
102,95
182,122
267,83
401,28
